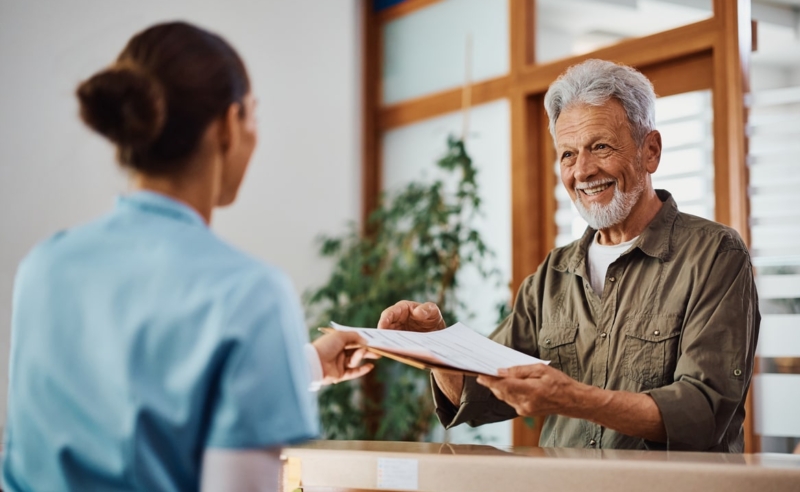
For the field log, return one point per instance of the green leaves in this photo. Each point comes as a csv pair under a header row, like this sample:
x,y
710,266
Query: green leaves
x,y
419,240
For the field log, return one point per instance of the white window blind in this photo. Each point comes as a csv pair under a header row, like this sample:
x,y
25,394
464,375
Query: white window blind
x,y
774,131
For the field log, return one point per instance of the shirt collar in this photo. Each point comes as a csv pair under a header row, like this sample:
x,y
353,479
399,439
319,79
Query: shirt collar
x,y
653,241
655,238
577,264
156,203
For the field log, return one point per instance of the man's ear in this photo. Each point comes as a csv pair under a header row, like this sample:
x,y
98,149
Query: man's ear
x,y
651,155
228,129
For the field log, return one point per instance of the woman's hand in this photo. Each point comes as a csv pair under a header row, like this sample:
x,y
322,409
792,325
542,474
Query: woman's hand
x,y
341,356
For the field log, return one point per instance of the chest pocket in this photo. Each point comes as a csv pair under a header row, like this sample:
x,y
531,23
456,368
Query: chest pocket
x,y
651,349
557,344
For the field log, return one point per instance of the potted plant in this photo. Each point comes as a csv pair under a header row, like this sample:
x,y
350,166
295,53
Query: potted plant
x,y
414,246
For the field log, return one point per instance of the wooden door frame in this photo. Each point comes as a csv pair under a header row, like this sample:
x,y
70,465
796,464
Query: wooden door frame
x,y
710,54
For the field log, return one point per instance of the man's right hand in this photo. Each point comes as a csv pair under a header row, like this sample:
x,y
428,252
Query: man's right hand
x,y
412,316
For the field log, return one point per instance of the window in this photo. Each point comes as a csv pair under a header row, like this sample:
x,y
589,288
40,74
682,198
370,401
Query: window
x,y
425,51
574,27
416,71
775,226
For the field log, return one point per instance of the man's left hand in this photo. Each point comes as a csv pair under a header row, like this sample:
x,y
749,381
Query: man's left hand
x,y
536,389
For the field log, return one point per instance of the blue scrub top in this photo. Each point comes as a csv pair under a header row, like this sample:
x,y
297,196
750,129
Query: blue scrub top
x,y
140,339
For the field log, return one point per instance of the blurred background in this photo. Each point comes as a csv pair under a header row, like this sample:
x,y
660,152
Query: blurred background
x,y
357,98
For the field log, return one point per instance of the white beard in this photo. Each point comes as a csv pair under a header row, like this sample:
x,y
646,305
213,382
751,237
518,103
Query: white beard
x,y
604,216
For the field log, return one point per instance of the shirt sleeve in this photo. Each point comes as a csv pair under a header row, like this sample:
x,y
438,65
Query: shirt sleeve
x,y
717,352
478,405
314,367
262,397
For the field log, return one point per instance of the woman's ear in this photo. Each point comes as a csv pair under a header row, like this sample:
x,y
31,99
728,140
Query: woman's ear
x,y
228,130
237,140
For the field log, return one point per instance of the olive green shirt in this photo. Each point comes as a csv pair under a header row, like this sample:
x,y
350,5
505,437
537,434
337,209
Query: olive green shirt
x,y
678,320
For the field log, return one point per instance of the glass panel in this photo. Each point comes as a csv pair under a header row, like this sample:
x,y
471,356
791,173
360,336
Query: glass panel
x,y
776,62
409,154
571,27
775,234
424,52
777,388
777,398
778,286
779,336
687,165
774,175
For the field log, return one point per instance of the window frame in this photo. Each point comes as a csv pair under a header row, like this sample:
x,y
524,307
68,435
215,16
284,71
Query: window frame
x,y
710,54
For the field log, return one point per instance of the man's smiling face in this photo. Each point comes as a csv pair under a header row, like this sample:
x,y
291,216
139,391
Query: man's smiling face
x,y
600,162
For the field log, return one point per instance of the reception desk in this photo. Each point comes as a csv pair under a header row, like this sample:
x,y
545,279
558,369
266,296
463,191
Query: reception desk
x,y
339,466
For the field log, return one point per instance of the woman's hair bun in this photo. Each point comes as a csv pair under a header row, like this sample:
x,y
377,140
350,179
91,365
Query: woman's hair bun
x,y
125,104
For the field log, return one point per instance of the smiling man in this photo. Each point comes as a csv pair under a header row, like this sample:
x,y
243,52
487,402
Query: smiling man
x,y
650,320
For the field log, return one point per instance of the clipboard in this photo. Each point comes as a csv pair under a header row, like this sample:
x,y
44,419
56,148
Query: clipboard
x,y
411,361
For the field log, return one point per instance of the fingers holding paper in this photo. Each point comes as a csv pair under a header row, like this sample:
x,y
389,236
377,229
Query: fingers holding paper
x,y
536,389
341,359
412,316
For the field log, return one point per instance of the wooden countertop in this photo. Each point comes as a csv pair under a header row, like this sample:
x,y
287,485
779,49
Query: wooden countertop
x,y
354,465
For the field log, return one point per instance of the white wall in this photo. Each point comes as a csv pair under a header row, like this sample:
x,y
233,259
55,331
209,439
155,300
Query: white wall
x,y
303,58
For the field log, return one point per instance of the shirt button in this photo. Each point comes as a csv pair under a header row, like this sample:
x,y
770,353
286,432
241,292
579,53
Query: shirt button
x,y
737,372
656,333
547,342
603,335
612,279
593,443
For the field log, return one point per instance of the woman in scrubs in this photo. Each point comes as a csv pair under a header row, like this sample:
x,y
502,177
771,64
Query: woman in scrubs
x,y
148,354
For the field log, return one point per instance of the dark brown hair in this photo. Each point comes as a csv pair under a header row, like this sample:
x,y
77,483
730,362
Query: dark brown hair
x,y
168,84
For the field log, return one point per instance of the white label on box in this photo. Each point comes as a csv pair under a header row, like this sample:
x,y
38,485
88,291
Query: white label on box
x,y
397,474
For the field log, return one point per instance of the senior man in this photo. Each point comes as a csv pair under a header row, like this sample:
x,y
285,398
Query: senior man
x,y
650,320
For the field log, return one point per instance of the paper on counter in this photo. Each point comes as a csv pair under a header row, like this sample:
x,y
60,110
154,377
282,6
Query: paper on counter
x,y
457,346
398,474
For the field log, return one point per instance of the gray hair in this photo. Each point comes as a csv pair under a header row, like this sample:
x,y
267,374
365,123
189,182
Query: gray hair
x,y
594,82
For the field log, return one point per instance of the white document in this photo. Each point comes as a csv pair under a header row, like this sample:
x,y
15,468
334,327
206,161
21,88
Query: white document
x,y
398,474
457,346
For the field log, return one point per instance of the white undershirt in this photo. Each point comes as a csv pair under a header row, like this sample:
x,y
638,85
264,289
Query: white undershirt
x,y
314,367
600,257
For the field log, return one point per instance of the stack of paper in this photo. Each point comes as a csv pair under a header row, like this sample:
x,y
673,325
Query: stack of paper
x,y
454,349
